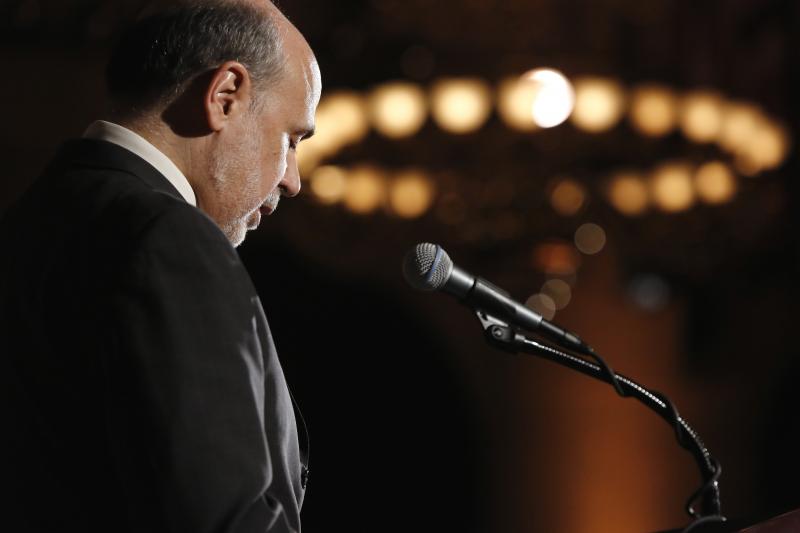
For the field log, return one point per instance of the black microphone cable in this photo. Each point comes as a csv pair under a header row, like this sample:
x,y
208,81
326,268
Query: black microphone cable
x,y
708,495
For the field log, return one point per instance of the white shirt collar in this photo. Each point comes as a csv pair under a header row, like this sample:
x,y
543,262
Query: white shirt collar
x,y
121,136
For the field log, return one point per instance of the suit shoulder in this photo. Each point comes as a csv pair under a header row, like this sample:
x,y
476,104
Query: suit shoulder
x,y
124,208
180,222
181,243
85,211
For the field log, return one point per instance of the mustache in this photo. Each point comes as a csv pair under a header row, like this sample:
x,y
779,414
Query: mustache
x,y
273,199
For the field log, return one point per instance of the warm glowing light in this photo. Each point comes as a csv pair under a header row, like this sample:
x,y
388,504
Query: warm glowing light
x,y
328,184
411,194
341,119
746,167
542,304
308,158
653,110
349,116
327,140
366,190
701,116
739,123
570,278
773,144
590,239
515,97
559,291
554,98
567,197
627,192
599,104
460,105
398,109
768,146
558,258
715,183
756,140
672,188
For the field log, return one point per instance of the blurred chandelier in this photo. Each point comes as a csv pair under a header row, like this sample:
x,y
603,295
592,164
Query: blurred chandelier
x,y
749,142
487,181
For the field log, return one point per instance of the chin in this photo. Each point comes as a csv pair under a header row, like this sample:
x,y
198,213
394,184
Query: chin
x,y
236,230
236,233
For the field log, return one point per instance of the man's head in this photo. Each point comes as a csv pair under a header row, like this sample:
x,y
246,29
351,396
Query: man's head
x,y
226,89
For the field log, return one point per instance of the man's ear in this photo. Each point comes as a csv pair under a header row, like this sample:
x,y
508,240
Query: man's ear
x,y
228,94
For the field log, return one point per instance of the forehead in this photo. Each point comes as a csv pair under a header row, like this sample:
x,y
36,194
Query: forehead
x,y
299,86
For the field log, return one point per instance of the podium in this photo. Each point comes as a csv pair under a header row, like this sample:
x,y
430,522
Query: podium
x,y
785,523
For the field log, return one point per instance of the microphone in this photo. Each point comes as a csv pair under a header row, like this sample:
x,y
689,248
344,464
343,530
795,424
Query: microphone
x,y
427,267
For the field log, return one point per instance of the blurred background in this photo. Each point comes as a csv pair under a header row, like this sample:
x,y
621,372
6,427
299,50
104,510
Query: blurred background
x,y
625,167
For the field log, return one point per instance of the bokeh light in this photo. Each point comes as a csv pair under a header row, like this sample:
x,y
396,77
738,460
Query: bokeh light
x,y
628,193
515,97
715,183
700,116
460,105
398,109
570,278
556,257
411,194
567,197
599,104
559,292
590,238
739,123
653,110
348,110
554,99
767,148
366,190
308,158
341,119
542,304
671,187
328,184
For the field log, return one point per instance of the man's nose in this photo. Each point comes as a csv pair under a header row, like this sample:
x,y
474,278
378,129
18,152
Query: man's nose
x,y
290,184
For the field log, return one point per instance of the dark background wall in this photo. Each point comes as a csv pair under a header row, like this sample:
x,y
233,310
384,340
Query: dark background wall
x,y
415,424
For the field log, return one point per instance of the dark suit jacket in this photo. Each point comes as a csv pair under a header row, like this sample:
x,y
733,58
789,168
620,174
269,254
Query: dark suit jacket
x,y
139,383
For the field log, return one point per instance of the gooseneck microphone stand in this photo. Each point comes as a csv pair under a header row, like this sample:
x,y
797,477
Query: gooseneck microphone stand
x,y
427,267
707,497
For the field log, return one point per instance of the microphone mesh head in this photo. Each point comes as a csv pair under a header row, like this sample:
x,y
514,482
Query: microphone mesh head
x,y
427,267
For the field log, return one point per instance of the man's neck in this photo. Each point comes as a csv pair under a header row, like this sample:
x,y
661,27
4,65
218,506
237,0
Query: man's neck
x,y
177,149
155,153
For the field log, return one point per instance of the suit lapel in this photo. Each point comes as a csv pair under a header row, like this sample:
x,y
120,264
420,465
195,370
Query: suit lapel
x,y
98,154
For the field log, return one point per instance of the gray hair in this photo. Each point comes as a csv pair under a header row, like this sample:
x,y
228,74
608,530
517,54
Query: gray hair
x,y
162,53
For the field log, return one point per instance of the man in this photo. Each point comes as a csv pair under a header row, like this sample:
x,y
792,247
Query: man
x,y
140,385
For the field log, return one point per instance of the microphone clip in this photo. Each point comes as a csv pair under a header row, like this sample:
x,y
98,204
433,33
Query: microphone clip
x,y
498,333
